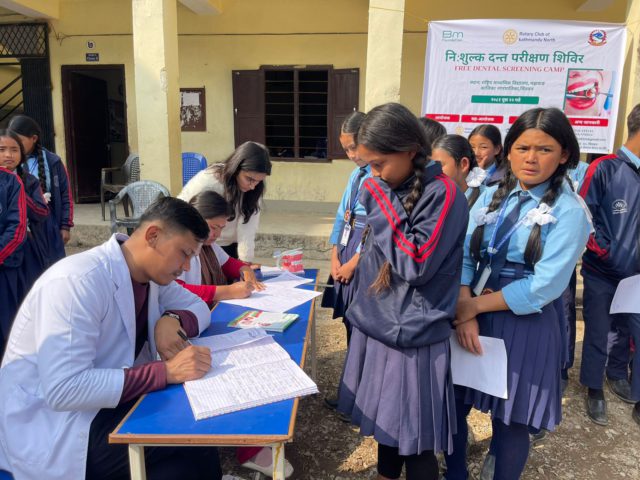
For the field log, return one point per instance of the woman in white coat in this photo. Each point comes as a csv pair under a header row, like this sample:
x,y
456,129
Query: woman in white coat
x,y
240,180
82,348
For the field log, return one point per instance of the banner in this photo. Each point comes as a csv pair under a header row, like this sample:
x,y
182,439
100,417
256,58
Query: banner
x,y
490,71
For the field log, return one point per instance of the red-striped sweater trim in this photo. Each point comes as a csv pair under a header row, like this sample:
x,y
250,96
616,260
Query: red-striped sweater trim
x,y
591,171
422,253
21,230
43,211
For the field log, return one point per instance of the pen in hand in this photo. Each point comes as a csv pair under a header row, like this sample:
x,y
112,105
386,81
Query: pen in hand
x,y
184,337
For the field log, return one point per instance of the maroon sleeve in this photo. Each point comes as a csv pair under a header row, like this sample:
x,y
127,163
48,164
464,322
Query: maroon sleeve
x,y
188,321
231,268
143,379
205,292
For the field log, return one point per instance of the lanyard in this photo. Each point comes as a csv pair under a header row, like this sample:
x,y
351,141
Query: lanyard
x,y
355,190
491,251
358,181
33,170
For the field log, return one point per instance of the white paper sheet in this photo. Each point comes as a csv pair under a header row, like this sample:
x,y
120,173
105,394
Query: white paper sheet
x,y
270,271
487,372
230,340
627,296
246,376
275,298
288,280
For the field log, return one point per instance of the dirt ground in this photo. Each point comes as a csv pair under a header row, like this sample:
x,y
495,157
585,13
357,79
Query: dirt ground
x,y
325,448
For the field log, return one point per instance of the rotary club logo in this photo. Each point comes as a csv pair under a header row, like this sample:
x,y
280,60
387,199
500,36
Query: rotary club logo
x,y
597,38
510,36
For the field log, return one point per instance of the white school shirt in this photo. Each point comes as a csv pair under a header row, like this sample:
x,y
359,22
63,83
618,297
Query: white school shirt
x,y
236,230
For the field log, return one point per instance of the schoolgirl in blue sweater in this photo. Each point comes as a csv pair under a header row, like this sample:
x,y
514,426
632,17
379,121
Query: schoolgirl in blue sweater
x,y
22,211
397,384
54,182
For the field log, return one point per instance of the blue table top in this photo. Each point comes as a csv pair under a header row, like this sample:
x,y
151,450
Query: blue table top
x,y
165,416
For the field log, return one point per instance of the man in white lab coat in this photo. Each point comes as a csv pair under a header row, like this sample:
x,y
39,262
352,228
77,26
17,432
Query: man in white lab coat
x,y
83,349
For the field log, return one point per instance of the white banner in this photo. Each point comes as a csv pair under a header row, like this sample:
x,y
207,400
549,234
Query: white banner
x,y
490,71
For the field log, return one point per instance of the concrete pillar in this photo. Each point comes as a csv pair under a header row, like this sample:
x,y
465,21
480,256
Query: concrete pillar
x,y
384,52
630,91
155,56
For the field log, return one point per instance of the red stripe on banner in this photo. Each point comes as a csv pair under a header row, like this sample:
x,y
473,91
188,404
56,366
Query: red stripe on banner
x,y
443,117
482,118
588,122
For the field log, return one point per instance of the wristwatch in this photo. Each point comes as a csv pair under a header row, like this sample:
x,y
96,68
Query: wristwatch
x,y
172,315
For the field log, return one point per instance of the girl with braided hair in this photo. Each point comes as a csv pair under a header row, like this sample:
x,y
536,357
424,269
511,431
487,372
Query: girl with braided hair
x,y
523,240
21,260
47,167
459,162
396,383
486,142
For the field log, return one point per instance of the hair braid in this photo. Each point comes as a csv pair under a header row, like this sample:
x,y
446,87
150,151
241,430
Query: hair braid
x,y
507,184
383,280
473,197
533,251
42,173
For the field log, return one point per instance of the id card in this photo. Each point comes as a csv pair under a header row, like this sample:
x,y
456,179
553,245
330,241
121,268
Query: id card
x,y
346,233
482,281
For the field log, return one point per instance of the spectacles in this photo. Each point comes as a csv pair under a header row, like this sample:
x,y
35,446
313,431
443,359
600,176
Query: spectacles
x,y
251,180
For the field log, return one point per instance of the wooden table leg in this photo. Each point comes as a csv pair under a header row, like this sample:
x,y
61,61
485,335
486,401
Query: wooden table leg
x,y
136,462
277,452
314,356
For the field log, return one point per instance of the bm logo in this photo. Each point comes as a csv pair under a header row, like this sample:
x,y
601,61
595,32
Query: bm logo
x,y
452,36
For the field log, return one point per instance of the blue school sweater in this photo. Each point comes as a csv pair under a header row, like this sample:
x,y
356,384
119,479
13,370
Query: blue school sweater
x,y
13,219
424,249
611,190
57,182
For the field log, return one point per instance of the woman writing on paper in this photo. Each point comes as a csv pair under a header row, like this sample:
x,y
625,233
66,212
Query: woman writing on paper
x,y
209,277
213,269
240,180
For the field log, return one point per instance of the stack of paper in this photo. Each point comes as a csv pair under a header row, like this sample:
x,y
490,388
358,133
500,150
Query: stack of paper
x,y
279,296
248,369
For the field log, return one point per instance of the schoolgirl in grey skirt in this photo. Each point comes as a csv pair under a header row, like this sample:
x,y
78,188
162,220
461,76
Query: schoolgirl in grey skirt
x,y
397,381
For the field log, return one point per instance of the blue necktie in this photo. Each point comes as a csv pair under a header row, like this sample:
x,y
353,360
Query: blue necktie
x,y
500,257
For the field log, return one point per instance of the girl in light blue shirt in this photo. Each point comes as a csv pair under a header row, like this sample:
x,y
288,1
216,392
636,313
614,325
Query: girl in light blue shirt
x,y
347,233
523,240
459,163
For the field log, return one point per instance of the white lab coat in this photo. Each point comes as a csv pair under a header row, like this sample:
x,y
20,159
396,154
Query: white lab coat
x,y
71,340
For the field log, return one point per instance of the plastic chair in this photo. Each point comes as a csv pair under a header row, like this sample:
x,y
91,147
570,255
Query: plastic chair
x,y
140,195
192,163
130,171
